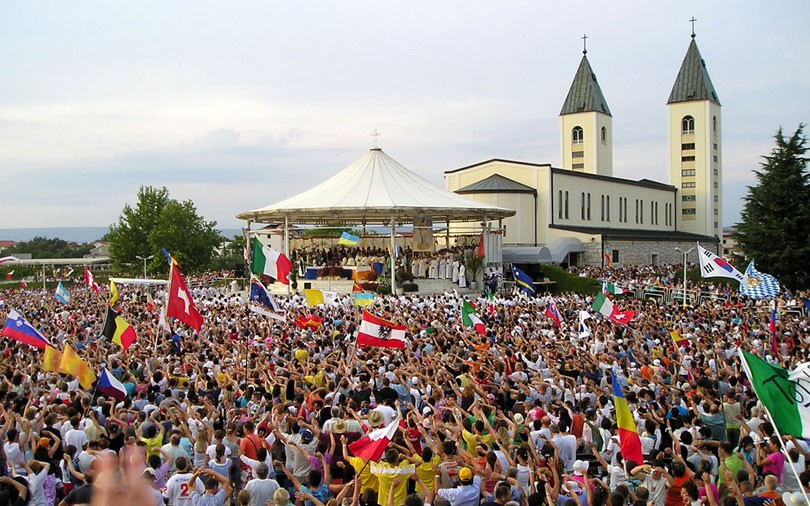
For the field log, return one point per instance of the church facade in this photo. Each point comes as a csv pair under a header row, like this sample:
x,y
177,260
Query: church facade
x,y
581,213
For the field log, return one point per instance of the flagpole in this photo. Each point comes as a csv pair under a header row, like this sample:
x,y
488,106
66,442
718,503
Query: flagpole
x,y
393,256
287,250
774,424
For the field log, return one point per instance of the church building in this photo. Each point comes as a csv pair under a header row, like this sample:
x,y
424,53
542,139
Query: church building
x,y
580,213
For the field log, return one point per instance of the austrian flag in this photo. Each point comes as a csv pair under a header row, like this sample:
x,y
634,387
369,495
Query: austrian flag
x,y
376,331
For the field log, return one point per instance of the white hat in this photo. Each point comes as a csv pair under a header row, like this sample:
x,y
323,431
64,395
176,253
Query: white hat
x,y
793,499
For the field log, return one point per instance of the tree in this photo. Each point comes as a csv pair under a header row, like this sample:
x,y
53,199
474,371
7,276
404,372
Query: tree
x,y
775,222
157,222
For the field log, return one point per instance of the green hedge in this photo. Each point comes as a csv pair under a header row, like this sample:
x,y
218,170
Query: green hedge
x,y
566,282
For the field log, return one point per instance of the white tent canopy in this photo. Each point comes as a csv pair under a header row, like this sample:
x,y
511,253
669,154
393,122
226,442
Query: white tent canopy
x,y
373,189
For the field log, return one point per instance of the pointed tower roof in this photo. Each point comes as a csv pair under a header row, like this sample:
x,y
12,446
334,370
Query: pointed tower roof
x,y
693,82
585,95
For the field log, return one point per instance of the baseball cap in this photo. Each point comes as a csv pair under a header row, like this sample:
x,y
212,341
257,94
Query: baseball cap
x,y
465,474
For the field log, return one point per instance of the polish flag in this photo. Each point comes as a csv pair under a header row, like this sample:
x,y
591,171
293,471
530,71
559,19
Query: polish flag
x,y
371,446
376,331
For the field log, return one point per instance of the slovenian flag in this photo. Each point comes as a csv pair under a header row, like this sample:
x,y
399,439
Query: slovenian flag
x,y
629,442
371,446
110,386
20,330
347,239
62,295
376,331
270,262
470,318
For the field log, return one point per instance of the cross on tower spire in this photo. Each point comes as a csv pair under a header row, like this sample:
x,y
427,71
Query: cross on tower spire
x,y
584,44
693,25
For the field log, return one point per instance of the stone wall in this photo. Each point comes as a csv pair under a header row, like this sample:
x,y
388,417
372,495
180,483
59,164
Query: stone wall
x,y
642,252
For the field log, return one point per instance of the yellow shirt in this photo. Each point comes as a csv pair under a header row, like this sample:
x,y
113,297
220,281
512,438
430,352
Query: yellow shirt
x,y
301,355
153,444
385,474
367,480
427,470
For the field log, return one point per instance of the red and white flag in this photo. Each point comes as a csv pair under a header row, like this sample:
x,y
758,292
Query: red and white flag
x,y
376,331
90,280
371,446
9,274
180,305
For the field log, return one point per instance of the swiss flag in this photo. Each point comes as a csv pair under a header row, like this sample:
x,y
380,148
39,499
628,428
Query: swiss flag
x,y
180,304
622,317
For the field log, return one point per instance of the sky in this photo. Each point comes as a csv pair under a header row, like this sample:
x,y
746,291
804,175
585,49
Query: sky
x,y
236,105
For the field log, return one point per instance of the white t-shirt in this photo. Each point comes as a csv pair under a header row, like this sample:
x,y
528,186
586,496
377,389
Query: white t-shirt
x,y
14,456
178,490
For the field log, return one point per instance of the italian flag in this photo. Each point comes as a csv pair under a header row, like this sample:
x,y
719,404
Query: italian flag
x,y
491,302
782,392
604,305
270,262
610,288
470,318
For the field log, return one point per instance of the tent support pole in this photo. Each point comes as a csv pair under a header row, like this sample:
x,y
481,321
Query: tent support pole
x,y
447,234
393,256
287,249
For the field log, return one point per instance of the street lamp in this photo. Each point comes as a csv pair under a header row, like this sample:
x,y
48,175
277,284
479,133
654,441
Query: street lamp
x,y
150,257
685,255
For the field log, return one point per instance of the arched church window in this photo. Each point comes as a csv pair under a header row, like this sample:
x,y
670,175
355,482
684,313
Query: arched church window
x,y
688,125
714,123
604,135
577,135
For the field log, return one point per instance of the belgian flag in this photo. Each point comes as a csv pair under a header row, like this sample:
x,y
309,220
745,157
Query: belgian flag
x,y
118,330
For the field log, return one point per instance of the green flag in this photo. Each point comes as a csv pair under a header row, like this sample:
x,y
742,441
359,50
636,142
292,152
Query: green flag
x,y
785,394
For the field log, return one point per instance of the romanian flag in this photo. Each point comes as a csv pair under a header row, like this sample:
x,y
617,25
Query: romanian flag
x,y
51,360
124,334
629,442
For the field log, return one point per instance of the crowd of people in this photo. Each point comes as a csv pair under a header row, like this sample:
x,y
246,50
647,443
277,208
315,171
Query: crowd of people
x,y
257,411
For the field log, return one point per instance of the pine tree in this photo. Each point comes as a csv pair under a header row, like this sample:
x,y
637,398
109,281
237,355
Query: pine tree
x,y
775,223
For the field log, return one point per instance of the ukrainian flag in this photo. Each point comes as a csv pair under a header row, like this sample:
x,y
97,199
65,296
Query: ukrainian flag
x,y
348,239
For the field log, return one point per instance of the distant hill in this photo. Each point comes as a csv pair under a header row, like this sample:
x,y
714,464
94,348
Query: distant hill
x,y
73,234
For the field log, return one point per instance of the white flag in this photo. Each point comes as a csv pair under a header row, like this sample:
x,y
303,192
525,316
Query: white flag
x,y
712,266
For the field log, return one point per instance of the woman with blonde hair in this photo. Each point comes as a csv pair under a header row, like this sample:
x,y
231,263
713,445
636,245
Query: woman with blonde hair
x,y
281,498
